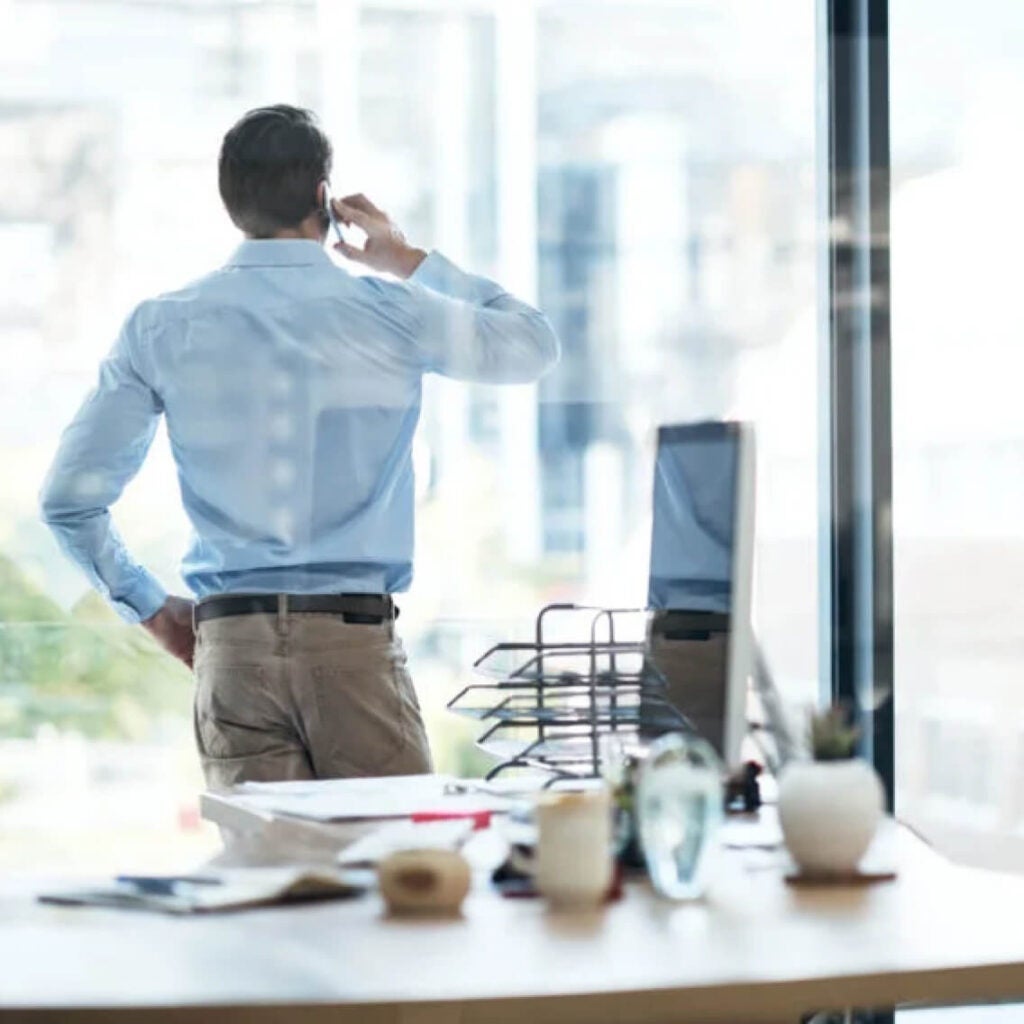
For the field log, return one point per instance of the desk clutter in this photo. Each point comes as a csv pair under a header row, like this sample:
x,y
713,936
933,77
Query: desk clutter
x,y
655,810
435,838
598,777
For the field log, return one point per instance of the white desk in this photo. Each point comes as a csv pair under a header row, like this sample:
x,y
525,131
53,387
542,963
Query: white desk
x,y
756,951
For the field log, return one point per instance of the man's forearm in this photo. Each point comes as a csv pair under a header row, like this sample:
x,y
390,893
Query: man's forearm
x,y
474,330
90,540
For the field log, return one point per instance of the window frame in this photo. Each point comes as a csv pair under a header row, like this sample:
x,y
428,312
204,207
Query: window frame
x,y
856,423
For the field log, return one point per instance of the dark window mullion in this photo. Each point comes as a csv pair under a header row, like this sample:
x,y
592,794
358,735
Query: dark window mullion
x,y
859,423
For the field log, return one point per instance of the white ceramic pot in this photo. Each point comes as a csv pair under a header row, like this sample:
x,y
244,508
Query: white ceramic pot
x,y
829,811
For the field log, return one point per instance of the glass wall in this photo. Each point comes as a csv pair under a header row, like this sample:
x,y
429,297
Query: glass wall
x,y
643,171
958,423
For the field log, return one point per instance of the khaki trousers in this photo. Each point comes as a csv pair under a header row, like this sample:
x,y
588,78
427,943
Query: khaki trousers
x,y
304,696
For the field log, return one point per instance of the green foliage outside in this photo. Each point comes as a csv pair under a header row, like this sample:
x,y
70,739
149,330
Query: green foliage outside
x,y
84,670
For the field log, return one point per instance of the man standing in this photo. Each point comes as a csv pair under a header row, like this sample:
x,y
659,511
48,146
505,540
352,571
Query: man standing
x,y
291,391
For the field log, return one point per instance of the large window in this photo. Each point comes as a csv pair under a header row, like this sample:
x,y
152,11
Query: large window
x,y
644,171
958,423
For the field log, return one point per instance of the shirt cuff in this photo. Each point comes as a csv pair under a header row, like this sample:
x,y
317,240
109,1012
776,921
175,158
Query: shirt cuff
x,y
142,601
439,274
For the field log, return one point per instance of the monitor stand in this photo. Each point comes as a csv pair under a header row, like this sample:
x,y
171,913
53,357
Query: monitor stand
x,y
776,724
690,651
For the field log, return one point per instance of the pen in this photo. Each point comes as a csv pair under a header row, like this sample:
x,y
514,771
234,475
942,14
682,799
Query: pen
x,y
480,819
164,884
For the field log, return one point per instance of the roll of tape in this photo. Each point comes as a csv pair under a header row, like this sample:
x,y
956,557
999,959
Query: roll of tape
x,y
424,881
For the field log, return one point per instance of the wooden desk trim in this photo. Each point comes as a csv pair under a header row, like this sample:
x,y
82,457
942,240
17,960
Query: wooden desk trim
x,y
761,1003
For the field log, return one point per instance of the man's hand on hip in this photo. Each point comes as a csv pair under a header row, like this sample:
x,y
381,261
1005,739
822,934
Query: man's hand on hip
x,y
386,248
172,627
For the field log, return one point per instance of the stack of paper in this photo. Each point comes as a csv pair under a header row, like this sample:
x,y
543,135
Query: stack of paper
x,y
393,797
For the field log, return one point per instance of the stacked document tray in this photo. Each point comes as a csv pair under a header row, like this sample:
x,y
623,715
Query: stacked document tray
x,y
548,703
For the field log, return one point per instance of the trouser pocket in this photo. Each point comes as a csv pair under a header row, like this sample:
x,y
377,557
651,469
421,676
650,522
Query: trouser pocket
x,y
237,711
360,722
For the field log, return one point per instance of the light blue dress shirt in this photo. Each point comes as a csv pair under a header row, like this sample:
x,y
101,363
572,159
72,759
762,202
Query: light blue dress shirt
x,y
292,390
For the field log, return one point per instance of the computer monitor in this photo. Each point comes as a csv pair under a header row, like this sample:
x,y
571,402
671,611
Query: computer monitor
x,y
700,576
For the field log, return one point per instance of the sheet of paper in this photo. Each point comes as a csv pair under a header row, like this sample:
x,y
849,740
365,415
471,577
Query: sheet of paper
x,y
345,799
406,835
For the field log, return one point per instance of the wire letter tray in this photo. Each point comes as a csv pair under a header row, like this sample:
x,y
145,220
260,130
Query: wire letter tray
x,y
549,702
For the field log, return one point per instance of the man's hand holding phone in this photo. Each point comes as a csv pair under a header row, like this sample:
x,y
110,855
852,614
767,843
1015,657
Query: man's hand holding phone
x,y
386,249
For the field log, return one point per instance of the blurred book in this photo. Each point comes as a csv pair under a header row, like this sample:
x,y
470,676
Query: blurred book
x,y
230,889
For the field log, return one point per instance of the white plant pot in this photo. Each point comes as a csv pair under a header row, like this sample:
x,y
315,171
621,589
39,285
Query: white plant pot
x,y
829,812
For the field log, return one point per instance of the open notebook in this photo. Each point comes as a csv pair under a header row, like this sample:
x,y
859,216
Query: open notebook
x,y
226,889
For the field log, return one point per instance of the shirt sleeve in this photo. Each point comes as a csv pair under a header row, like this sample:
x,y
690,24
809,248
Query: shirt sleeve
x,y
471,329
99,453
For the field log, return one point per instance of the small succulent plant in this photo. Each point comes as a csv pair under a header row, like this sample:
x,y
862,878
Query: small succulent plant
x,y
832,737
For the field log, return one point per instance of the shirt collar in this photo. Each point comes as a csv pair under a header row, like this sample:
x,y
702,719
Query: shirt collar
x,y
278,252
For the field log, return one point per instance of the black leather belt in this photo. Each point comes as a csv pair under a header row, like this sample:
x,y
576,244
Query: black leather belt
x,y
368,609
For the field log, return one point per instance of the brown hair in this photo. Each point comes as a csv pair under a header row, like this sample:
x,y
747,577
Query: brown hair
x,y
271,163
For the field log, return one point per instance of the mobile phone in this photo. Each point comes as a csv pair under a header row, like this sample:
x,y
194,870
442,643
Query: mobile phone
x,y
328,212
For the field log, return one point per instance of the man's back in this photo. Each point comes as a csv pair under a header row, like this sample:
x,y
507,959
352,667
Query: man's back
x,y
291,390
